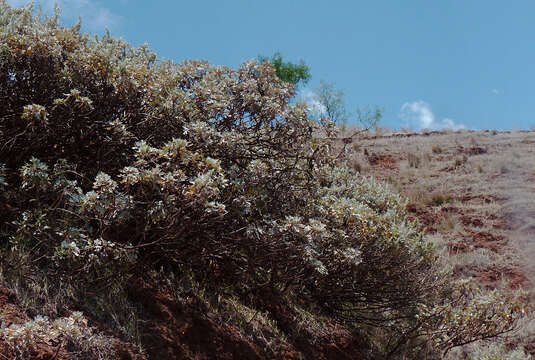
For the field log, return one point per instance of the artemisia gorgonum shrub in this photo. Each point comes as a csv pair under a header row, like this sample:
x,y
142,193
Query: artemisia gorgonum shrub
x,y
115,162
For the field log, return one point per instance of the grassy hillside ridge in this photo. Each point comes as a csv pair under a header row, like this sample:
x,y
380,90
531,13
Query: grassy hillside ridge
x,y
473,193
161,210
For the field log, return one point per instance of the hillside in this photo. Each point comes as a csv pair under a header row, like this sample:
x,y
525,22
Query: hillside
x,y
156,210
473,193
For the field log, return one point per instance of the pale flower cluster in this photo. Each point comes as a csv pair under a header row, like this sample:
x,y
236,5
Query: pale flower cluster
x,y
35,114
35,174
72,330
75,100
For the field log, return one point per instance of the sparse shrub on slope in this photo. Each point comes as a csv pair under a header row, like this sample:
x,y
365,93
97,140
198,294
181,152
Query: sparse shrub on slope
x,y
74,331
117,164
498,352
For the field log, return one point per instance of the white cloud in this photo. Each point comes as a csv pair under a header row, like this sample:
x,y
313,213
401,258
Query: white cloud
x,y
495,91
419,115
95,16
310,98
450,124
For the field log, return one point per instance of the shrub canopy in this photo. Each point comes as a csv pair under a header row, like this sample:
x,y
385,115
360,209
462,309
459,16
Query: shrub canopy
x,y
115,162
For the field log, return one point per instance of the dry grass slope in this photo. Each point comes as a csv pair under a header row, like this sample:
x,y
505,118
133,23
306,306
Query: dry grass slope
x,y
474,195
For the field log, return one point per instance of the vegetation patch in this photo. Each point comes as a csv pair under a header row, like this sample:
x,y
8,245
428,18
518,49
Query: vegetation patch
x,y
140,195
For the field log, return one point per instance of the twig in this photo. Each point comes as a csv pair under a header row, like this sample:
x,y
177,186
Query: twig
x,y
57,350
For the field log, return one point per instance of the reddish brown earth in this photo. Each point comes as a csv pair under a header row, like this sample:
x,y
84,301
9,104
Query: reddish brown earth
x,y
492,277
333,341
427,219
11,313
383,165
487,223
188,329
385,161
473,239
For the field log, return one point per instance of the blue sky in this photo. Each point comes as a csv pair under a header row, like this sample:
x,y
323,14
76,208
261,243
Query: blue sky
x,y
428,63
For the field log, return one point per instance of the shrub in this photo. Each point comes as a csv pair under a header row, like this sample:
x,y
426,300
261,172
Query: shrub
x,y
73,331
437,199
498,352
460,161
117,163
414,160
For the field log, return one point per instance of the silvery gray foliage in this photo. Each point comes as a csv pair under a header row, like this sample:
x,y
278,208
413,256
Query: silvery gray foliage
x,y
74,330
3,182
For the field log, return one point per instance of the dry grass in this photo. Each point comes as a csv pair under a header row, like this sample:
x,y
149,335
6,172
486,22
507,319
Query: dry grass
x,y
474,193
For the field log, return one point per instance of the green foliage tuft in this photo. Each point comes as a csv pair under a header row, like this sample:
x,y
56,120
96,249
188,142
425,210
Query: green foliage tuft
x,y
295,74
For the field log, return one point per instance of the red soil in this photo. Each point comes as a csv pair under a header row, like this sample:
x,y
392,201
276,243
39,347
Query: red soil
x,y
493,276
473,239
475,150
11,313
188,329
475,199
386,161
483,239
471,221
427,217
